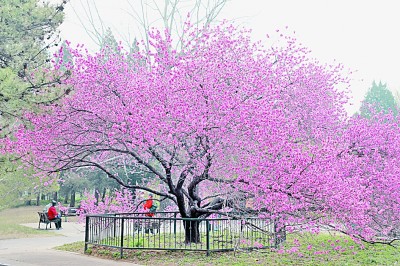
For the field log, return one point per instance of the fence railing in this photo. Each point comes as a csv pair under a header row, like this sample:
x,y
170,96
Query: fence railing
x,y
167,232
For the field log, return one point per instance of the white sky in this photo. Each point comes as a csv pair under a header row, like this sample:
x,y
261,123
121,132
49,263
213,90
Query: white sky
x,y
364,35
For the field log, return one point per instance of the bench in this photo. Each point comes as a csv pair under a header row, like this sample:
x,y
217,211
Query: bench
x,y
44,219
148,226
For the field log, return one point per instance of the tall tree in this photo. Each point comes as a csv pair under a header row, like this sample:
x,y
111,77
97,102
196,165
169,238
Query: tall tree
x,y
222,121
172,15
380,98
27,30
212,122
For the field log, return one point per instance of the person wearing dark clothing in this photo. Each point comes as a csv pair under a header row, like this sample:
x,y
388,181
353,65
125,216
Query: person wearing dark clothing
x,y
53,216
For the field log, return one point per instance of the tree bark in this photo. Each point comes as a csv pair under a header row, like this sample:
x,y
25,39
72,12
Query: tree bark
x,y
72,203
104,194
192,232
38,199
66,197
96,195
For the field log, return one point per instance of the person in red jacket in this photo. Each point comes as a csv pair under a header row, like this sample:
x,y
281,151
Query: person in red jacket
x,y
147,206
53,216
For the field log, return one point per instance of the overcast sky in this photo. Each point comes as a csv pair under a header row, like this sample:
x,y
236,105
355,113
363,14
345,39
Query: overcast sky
x,y
364,35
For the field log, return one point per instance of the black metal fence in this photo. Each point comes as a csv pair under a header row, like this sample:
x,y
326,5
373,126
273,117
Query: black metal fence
x,y
165,231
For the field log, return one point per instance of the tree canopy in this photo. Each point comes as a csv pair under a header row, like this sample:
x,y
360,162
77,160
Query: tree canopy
x,y
222,121
27,30
380,98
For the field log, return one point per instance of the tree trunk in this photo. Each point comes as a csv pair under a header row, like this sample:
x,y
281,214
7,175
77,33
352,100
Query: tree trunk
x,y
104,194
38,200
192,232
72,204
66,197
96,195
55,196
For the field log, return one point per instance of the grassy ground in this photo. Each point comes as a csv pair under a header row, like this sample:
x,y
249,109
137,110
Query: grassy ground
x,y
323,249
218,240
335,249
11,219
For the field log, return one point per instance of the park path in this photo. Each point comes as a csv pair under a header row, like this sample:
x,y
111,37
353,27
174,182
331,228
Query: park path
x,y
39,250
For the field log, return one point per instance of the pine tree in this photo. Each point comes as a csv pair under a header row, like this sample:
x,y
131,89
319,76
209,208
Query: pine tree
x,y
380,98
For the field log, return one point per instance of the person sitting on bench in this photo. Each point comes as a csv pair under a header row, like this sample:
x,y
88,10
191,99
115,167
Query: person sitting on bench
x,y
53,216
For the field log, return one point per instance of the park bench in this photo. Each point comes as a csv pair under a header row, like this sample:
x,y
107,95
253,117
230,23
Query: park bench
x,y
44,219
152,227
147,226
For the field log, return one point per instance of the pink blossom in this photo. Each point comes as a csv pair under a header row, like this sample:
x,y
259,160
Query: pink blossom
x,y
222,121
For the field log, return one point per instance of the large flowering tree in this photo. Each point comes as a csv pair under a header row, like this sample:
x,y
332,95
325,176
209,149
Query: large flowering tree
x,y
218,123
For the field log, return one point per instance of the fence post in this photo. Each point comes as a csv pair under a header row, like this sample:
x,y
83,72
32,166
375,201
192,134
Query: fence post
x,y
122,237
175,223
115,225
208,237
86,233
275,235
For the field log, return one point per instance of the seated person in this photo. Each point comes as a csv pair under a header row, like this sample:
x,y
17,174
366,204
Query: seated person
x,y
53,216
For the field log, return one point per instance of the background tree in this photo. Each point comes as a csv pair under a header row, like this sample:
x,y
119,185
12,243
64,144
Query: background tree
x,y
27,31
96,181
19,185
72,183
380,98
148,14
109,42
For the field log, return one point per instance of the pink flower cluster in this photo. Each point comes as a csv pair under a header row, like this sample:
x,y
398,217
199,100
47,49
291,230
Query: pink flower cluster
x,y
221,121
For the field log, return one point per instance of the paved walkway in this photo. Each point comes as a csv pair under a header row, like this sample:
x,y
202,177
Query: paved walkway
x,y
39,250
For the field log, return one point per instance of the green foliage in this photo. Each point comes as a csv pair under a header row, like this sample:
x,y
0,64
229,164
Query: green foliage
x,y
109,42
10,102
73,181
380,98
27,30
94,179
116,255
67,57
17,183
13,182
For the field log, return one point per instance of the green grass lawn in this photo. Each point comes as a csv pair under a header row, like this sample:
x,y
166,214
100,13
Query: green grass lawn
x,y
10,220
217,240
323,249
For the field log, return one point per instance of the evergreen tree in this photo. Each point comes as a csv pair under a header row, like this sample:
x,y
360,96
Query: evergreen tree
x,y
28,29
380,98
